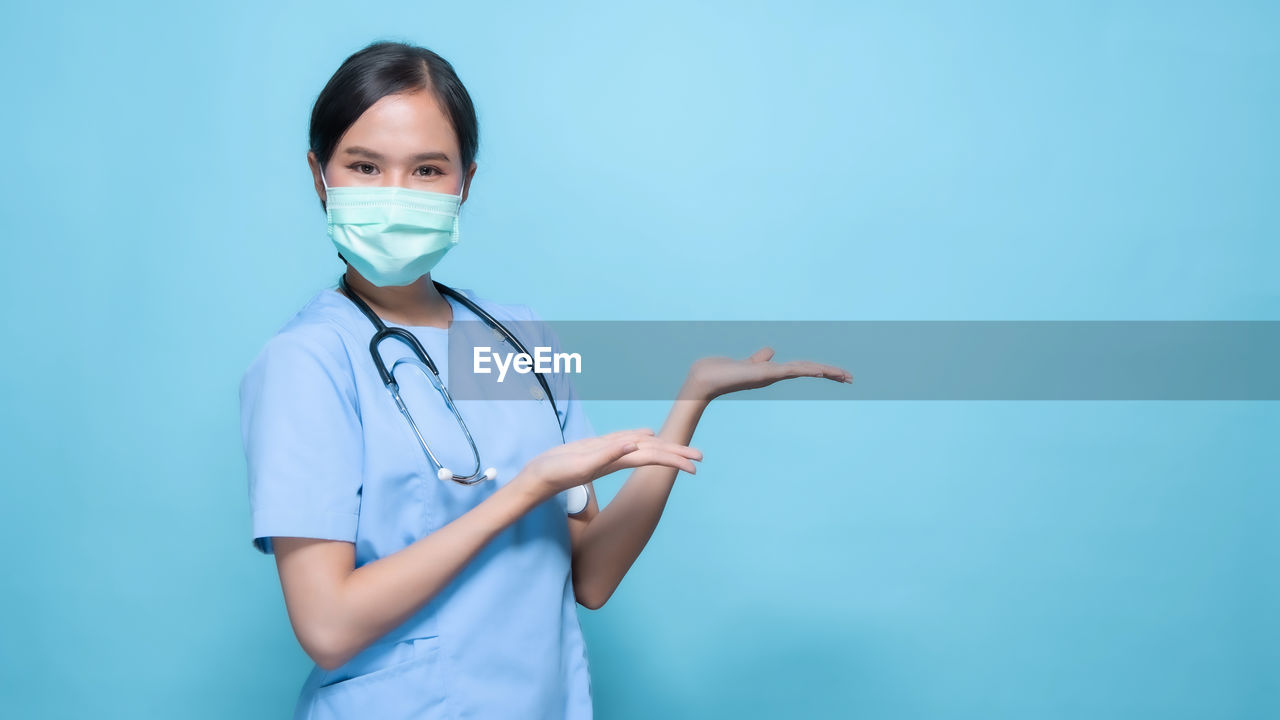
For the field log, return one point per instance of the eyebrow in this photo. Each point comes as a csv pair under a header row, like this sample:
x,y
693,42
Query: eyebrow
x,y
420,157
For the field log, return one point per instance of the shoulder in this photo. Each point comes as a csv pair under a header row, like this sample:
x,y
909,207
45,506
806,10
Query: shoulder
x,y
318,336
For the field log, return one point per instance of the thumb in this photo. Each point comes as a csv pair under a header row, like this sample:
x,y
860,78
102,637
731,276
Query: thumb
x,y
761,355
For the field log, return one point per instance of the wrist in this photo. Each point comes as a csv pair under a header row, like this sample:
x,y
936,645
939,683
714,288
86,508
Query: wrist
x,y
530,488
695,391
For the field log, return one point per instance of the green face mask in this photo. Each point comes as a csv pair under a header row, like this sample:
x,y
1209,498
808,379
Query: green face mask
x,y
392,235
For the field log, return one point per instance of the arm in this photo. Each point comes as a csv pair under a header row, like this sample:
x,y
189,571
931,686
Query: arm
x,y
337,610
607,542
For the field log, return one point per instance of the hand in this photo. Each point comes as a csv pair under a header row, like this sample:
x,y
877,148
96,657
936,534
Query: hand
x,y
711,377
581,461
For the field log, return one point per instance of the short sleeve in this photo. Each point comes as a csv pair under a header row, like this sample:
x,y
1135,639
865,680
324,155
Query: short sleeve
x,y
303,443
573,418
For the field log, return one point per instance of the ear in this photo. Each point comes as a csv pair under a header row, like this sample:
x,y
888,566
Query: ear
x,y
470,174
314,163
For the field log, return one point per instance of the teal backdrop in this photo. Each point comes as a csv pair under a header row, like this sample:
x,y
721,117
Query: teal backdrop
x,y
672,160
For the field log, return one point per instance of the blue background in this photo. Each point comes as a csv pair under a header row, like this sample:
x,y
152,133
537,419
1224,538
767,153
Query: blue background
x,y
671,160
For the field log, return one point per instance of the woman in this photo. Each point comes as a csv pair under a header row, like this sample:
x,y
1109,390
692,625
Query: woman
x,y
420,597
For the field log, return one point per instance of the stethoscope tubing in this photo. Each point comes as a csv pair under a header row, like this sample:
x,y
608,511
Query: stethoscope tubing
x,y
383,332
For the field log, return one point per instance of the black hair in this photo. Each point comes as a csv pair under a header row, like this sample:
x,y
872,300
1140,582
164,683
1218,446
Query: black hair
x,y
387,68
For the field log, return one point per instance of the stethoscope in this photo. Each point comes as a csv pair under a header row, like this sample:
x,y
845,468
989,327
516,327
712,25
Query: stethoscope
x,y
388,378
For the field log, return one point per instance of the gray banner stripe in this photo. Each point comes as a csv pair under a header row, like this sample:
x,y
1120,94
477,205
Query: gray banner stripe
x,y
902,360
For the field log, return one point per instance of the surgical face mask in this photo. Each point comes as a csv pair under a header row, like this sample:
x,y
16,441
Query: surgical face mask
x,y
391,235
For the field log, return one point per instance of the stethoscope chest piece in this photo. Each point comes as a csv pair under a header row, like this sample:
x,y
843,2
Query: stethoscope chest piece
x,y
576,499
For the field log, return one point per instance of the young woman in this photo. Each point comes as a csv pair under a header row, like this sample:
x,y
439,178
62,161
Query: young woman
x,y
420,587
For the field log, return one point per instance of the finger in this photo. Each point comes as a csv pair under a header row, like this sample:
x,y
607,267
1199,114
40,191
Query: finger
x,y
671,447
774,371
831,372
609,439
657,457
627,433
637,437
805,368
761,355
609,455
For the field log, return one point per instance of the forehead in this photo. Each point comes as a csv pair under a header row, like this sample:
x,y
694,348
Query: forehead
x,y
403,124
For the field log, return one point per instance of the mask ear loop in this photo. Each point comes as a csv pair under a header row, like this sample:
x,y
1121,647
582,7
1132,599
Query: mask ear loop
x,y
457,216
328,213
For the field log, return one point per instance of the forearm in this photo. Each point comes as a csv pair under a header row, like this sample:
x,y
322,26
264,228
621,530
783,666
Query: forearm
x,y
377,597
614,538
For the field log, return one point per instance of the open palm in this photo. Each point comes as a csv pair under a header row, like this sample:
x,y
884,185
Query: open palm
x,y
581,461
713,376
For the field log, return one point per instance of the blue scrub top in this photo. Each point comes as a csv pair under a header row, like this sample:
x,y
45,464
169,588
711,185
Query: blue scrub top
x,y
330,456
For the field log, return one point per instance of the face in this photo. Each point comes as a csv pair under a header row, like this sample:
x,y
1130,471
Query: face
x,y
403,140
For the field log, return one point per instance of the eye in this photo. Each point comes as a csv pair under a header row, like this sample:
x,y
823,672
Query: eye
x,y
360,166
431,168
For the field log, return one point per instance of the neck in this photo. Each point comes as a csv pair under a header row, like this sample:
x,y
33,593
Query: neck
x,y
418,303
